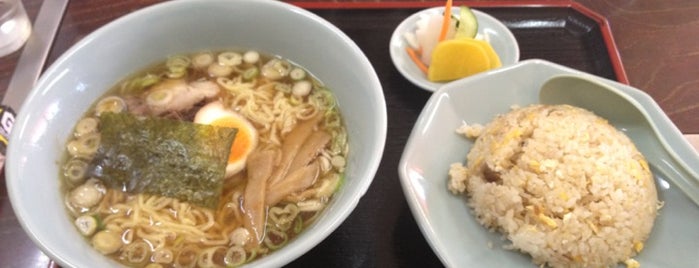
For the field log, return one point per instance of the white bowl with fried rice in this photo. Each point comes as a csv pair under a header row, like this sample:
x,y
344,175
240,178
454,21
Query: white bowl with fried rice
x,y
449,222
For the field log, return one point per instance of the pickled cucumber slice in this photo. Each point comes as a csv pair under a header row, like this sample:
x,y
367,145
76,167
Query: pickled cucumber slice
x,y
468,24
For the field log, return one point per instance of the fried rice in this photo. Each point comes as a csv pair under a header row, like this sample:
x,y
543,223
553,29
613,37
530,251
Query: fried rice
x,y
561,184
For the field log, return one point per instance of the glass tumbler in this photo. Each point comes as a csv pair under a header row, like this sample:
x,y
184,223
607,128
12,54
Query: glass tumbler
x,y
14,26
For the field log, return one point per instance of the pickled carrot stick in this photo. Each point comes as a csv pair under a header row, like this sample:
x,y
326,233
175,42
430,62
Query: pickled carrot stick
x,y
445,21
414,56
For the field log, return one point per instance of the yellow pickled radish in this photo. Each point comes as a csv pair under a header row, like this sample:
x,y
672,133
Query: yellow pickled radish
x,y
492,55
458,58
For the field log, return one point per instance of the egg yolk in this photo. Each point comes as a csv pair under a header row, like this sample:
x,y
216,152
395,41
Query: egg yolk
x,y
243,142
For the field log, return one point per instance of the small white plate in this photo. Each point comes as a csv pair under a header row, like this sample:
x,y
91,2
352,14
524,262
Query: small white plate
x,y
446,220
502,40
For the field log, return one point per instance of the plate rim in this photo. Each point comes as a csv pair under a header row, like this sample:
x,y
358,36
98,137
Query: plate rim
x,y
420,214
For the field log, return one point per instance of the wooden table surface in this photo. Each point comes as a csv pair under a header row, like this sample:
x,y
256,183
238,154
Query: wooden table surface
x,y
658,42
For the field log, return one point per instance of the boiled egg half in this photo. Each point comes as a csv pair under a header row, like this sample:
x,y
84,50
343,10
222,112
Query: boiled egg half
x,y
216,114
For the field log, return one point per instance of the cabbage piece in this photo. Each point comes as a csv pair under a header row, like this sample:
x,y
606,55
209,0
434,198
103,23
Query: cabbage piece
x,y
165,157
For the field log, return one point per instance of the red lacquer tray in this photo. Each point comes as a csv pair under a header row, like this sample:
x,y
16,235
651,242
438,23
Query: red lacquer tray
x,y
382,232
564,32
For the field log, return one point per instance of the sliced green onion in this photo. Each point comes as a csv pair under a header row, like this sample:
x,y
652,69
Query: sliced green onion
x,y
230,59
186,257
86,224
275,69
137,85
211,256
297,74
251,57
137,252
163,255
240,236
235,256
90,143
178,74
159,97
177,62
177,66
85,146
323,98
148,80
106,242
202,60
75,171
218,70
275,239
85,126
301,88
112,104
72,148
251,73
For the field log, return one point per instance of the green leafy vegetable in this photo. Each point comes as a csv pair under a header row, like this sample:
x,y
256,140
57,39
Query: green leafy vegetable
x,y
166,157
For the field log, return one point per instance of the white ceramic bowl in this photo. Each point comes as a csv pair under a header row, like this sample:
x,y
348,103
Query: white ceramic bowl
x,y
446,220
137,40
503,41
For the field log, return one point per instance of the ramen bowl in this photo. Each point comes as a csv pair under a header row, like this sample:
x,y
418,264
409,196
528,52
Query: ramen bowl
x,y
133,42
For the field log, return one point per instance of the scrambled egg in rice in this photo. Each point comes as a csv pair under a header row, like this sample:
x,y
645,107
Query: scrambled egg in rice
x,y
561,184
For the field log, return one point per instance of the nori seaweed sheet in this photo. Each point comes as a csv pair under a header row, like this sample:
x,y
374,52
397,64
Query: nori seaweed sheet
x,y
165,157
